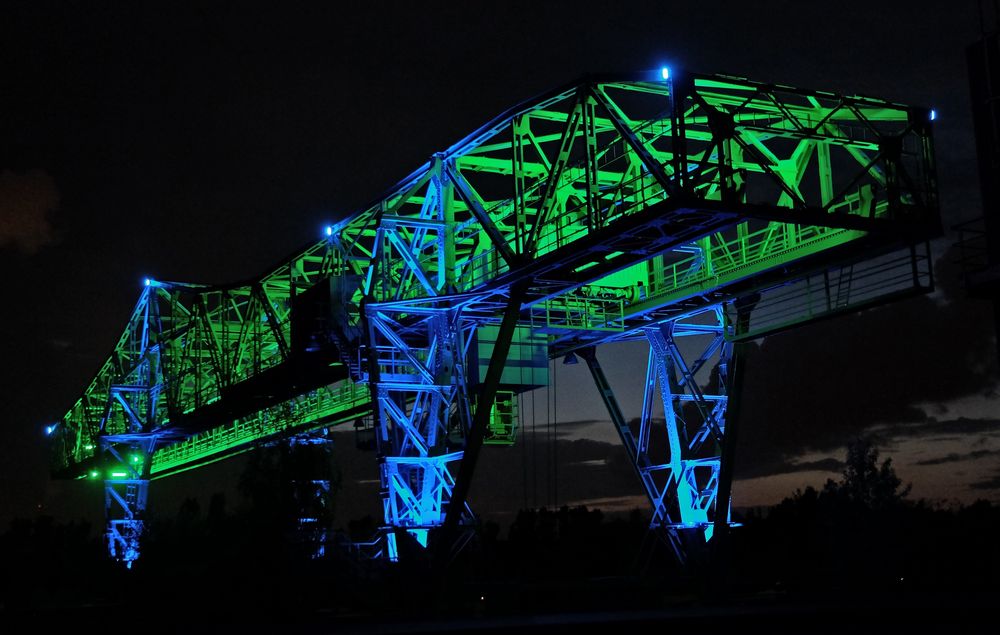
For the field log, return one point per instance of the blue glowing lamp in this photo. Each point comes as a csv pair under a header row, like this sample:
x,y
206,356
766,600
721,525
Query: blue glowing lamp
x,y
933,115
665,73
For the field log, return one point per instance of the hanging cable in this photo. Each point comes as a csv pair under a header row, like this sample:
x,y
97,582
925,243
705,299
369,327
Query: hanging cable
x,y
524,451
555,434
548,440
534,454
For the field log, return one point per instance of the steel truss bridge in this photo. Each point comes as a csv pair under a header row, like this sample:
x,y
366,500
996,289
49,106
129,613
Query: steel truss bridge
x,y
693,212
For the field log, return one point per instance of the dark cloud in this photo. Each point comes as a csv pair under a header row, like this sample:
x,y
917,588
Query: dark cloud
x,y
815,387
983,440
954,457
59,345
774,464
992,483
822,465
26,200
934,428
564,429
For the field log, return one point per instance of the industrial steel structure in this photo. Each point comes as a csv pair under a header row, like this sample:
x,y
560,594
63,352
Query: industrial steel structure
x,y
693,212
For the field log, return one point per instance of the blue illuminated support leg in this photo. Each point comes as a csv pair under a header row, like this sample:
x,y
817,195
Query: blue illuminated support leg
x,y
127,440
312,489
418,379
679,458
689,360
731,377
125,506
312,528
126,491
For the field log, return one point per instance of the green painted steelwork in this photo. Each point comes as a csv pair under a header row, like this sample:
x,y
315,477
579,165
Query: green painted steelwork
x,y
504,420
328,405
613,196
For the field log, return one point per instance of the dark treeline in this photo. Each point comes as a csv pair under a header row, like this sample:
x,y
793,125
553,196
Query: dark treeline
x,y
863,532
240,558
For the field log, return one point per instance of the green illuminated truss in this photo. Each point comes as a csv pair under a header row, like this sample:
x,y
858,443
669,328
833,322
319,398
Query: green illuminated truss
x,y
611,203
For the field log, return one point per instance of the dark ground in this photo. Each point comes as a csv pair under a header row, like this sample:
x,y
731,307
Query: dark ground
x,y
854,557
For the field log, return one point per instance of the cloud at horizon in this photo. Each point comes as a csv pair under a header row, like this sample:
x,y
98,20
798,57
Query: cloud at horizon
x,y
26,201
813,388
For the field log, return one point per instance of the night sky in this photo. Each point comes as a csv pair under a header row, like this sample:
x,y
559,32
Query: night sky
x,y
205,143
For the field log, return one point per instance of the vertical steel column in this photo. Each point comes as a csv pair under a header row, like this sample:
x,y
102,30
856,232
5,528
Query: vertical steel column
x,y
127,439
484,406
418,378
680,460
126,491
312,492
124,508
731,377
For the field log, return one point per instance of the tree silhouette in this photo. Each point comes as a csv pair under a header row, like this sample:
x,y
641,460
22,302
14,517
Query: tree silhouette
x,y
865,481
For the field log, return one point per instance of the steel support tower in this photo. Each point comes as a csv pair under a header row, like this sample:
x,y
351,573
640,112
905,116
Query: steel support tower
x,y
691,212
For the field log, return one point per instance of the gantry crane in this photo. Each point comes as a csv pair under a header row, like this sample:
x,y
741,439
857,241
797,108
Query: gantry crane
x,y
692,212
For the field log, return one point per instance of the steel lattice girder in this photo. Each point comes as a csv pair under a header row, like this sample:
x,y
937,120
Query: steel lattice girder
x,y
615,200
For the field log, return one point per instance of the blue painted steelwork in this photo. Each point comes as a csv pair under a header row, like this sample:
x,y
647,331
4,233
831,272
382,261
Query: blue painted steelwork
x,y
126,491
128,440
679,458
418,382
694,420
125,505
